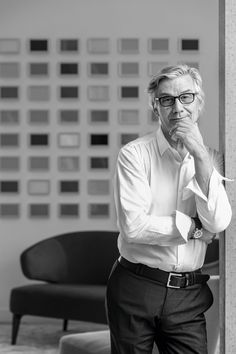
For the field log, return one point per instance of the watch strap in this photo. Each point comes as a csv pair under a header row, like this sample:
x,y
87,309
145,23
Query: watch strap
x,y
197,221
197,232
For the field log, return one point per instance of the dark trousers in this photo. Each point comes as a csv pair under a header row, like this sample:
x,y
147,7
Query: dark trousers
x,y
142,311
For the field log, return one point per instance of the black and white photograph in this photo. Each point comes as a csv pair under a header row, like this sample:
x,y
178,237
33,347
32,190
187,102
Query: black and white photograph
x,y
117,177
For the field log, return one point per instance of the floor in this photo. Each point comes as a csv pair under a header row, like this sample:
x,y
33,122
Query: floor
x,y
43,338
40,338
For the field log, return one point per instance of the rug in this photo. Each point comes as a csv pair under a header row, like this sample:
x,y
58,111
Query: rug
x,y
41,338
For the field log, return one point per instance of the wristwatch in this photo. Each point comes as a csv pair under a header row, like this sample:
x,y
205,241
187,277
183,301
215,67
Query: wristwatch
x,y
197,232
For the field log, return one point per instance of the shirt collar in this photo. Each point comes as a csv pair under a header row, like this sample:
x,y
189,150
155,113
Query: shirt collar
x,y
162,143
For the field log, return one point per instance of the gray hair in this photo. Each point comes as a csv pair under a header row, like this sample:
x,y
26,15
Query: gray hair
x,y
172,72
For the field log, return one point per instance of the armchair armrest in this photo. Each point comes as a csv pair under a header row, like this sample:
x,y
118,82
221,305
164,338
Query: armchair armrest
x,y
45,261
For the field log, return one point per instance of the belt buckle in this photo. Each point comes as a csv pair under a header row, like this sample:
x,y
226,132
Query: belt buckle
x,y
169,280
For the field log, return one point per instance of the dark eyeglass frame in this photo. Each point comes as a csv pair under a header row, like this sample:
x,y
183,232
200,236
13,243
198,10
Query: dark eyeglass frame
x,y
173,98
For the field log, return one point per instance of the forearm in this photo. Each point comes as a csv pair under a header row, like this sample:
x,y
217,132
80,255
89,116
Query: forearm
x,y
212,204
203,169
197,232
156,230
215,212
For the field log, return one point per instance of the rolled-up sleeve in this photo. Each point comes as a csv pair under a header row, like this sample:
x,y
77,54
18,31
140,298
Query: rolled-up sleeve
x,y
213,210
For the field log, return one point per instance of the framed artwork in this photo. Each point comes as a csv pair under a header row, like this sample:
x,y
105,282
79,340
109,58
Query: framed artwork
x,y
99,162
8,186
68,140
98,93
128,116
69,69
38,187
69,186
189,45
39,69
9,92
99,139
68,163
9,117
99,116
128,69
98,187
38,45
158,45
69,116
9,46
38,163
98,210
39,93
128,45
9,163
9,140
38,116
98,45
39,210
97,69
69,92
9,210
129,92
69,210
69,45
9,70
39,140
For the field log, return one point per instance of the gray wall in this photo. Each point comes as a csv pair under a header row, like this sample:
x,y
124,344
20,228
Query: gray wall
x,y
54,19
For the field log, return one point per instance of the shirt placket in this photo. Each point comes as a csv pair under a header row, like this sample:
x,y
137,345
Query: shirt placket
x,y
181,183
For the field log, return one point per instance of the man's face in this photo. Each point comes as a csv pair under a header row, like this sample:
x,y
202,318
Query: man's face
x,y
176,87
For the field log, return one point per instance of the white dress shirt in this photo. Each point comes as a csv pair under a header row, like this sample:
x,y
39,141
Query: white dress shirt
x,y
156,193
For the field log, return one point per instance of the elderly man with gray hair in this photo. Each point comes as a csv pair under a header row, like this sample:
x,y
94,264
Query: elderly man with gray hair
x,y
170,202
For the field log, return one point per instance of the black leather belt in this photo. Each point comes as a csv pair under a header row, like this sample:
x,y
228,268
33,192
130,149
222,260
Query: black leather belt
x,y
169,279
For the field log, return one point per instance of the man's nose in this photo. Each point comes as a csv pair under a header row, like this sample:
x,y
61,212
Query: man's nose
x,y
177,106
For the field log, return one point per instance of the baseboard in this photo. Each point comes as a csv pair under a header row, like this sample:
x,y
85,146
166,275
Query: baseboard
x,y
5,315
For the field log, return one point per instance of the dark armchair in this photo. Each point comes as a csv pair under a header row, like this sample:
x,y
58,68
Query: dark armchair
x,y
73,269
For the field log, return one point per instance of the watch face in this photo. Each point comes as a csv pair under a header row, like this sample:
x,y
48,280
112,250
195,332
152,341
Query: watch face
x,y
197,233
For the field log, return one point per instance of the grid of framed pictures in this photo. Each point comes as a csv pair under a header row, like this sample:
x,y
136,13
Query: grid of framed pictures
x,y
63,120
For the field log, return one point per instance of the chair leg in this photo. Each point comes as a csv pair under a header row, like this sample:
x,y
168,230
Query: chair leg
x,y
15,327
65,325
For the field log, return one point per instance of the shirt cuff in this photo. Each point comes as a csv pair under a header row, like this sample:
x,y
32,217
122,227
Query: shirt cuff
x,y
183,223
215,181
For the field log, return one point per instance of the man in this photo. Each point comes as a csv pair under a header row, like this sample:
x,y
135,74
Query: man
x,y
170,203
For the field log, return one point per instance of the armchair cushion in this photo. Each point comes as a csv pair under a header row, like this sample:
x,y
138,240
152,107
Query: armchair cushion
x,y
83,302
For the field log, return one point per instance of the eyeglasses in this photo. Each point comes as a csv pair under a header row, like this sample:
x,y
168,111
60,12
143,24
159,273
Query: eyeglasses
x,y
184,98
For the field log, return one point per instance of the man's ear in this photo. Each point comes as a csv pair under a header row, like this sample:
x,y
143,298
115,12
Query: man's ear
x,y
155,110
